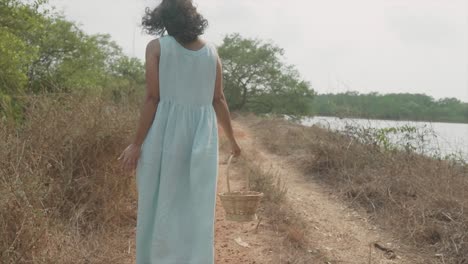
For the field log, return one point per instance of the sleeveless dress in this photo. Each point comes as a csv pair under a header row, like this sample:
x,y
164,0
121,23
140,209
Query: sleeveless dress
x,y
176,174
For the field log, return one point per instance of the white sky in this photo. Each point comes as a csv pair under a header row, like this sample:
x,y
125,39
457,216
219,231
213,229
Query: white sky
x,y
415,46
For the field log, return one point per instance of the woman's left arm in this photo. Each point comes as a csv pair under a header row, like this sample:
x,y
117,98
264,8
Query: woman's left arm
x,y
131,154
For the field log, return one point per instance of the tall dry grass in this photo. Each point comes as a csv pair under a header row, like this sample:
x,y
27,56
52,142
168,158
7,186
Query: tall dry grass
x,y
422,200
62,192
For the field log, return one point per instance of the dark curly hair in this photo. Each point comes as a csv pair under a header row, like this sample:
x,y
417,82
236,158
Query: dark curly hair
x,y
178,17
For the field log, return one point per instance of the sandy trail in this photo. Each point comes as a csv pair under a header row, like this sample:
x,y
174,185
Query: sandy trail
x,y
265,246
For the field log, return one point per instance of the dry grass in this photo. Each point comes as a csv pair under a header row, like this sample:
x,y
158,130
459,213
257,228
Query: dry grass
x,y
62,192
422,200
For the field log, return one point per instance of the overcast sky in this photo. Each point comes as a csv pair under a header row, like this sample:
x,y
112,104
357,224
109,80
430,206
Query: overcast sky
x,y
387,46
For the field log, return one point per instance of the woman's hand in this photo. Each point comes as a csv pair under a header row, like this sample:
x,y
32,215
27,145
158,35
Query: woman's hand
x,y
130,156
235,149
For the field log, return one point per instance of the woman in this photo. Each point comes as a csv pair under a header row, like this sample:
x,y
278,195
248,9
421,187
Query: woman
x,y
175,150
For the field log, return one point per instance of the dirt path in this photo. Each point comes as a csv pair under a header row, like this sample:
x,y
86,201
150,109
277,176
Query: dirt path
x,y
339,232
227,249
262,245
267,245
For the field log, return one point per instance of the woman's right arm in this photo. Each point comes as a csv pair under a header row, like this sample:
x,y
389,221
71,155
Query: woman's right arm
x,y
131,154
222,110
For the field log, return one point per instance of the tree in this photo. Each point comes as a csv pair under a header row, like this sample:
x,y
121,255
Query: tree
x,y
256,79
42,52
16,53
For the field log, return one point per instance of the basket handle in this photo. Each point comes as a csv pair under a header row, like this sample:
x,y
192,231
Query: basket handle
x,y
227,174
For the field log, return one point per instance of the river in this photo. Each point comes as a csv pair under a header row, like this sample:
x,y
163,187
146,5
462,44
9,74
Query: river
x,y
444,138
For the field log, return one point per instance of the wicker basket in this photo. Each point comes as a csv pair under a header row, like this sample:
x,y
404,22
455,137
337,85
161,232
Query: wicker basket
x,y
240,206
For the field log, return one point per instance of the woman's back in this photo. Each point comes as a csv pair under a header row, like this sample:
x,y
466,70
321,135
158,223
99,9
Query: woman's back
x,y
185,123
186,76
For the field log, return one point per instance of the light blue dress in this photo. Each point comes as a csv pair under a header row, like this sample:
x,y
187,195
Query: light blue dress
x,y
177,171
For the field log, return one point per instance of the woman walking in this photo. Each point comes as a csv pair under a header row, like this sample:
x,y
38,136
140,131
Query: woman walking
x,y
175,150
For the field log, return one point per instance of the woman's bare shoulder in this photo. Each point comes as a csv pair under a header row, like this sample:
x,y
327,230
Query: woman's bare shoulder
x,y
154,46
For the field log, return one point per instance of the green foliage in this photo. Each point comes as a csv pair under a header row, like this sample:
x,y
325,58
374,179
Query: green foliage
x,y
255,78
14,61
382,135
16,53
411,139
127,76
402,106
42,52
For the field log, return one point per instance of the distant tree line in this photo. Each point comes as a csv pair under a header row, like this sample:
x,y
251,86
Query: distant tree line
x,y
396,106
